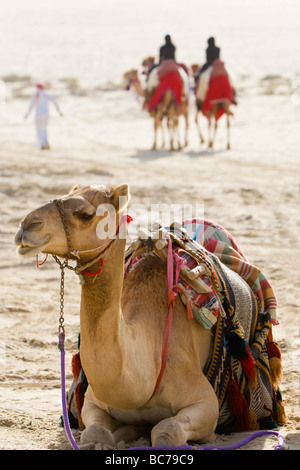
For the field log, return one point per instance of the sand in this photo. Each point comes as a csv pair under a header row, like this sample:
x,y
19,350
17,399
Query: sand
x,y
105,137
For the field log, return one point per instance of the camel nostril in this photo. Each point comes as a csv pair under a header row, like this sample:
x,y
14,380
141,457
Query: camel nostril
x,y
36,225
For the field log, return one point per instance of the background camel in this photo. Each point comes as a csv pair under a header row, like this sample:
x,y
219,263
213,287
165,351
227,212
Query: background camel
x,y
213,111
122,322
166,108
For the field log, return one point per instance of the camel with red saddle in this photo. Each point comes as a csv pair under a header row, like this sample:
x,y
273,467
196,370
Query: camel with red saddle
x,y
214,96
133,385
167,105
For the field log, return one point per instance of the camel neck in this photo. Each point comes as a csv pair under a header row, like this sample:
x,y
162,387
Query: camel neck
x,y
101,318
101,293
138,87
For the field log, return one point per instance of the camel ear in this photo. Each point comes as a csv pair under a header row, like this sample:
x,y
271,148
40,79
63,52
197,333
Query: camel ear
x,y
119,197
73,188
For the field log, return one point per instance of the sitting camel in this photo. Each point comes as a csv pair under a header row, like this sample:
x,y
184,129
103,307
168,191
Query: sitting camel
x,y
167,107
122,328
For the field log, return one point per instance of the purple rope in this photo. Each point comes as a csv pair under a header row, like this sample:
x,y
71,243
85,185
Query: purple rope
x,y
61,347
281,445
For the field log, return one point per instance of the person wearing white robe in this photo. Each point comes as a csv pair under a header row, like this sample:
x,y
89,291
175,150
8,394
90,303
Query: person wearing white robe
x,y
40,101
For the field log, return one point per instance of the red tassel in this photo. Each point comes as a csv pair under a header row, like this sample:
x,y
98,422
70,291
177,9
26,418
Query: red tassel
x,y
249,368
239,407
76,365
273,349
79,400
274,354
275,371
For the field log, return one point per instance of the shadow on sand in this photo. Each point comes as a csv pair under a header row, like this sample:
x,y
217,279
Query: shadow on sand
x,y
149,155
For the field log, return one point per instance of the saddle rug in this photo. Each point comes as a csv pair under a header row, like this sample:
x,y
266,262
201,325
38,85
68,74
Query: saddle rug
x,y
243,366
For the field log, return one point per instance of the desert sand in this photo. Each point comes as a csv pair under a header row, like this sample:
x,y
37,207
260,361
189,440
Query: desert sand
x,y
105,137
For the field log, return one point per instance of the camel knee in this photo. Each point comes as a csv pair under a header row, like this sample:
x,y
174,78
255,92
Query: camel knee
x,y
168,432
128,432
99,425
97,434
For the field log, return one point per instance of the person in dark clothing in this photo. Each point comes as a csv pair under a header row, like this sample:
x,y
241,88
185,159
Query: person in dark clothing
x,y
167,51
212,53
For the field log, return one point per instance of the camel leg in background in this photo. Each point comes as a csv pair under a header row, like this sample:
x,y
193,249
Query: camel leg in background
x,y
212,134
197,121
186,141
215,112
209,130
226,106
171,132
176,128
157,124
186,119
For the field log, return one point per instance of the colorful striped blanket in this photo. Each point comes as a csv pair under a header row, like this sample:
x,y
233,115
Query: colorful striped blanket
x,y
221,243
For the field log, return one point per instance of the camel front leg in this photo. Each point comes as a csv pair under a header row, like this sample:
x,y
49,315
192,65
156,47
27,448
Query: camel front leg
x,y
210,141
156,125
99,425
163,135
228,126
228,132
101,428
176,132
197,121
186,140
196,422
170,125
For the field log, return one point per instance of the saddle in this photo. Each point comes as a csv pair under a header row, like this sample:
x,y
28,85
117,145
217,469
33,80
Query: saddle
x,y
244,366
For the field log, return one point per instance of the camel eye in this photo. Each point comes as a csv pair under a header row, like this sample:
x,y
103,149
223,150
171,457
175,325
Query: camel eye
x,y
84,216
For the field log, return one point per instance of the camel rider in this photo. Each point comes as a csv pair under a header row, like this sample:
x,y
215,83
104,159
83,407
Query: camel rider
x,y
212,53
167,51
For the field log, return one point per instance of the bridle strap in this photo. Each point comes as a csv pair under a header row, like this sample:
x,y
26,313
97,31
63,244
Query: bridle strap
x,y
59,204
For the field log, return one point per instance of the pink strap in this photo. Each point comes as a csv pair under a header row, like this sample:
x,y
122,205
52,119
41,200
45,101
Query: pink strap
x,y
172,294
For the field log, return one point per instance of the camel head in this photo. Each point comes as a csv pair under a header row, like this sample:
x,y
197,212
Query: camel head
x,y
148,61
129,78
83,220
147,64
195,68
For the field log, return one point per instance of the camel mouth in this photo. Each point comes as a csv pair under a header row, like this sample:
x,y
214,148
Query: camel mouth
x,y
31,250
